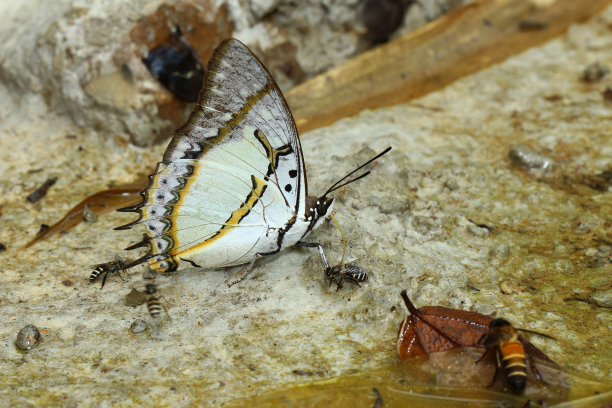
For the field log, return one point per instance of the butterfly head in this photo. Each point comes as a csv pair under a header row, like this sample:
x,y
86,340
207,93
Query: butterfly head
x,y
317,209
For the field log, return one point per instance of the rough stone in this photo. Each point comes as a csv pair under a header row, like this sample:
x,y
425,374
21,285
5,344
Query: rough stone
x,y
138,326
86,60
595,72
28,337
284,317
525,157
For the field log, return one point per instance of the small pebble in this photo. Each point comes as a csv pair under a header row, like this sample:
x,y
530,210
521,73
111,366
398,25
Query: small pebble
x,y
43,228
451,184
478,231
607,95
138,326
41,191
603,251
28,337
561,250
603,297
89,215
499,251
382,17
509,287
526,158
595,72
604,318
530,25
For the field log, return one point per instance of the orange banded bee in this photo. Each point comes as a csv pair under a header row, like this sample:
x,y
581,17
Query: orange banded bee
x,y
154,303
106,269
510,352
353,273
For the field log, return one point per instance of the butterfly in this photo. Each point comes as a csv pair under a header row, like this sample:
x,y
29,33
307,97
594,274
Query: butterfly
x,y
232,184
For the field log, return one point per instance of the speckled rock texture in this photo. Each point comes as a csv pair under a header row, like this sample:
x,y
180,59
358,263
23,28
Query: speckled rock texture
x,y
85,60
447,215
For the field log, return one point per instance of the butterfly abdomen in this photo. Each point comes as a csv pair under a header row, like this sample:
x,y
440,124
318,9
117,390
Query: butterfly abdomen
x,y
514,365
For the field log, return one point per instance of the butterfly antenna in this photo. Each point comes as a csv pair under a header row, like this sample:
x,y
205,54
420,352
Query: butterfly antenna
x,y
343,239
338,184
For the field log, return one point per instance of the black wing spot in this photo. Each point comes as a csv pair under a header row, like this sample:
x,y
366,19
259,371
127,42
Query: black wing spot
x,y
160,196
153,212
152,228
293,173
288,188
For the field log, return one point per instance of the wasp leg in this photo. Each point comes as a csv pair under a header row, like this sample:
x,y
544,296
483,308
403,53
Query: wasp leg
x,y
483,354
104,279
334,276
497,367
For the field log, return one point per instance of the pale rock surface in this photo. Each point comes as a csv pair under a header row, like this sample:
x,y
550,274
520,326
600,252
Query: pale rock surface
x,y
84,58
410,224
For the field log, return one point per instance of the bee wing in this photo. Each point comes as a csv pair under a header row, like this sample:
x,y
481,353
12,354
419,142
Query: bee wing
x,y
536,353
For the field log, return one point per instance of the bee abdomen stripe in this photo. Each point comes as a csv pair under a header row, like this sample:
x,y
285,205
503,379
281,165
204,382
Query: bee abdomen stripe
x,y
516,371
508,363
154,307
512,349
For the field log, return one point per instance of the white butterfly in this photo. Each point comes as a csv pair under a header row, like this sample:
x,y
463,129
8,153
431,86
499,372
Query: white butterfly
x,y
232,184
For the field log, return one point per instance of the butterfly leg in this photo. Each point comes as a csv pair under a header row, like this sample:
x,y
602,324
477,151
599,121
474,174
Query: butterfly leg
x,y
245,271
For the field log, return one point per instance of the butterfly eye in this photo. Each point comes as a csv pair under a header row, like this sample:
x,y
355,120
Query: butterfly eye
x,y
323,205
321,209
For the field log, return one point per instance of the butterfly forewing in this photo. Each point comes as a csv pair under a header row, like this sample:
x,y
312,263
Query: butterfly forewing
x,y
232,180
239,92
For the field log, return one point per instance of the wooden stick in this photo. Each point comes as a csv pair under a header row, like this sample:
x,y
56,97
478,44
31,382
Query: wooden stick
x,y
458,44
